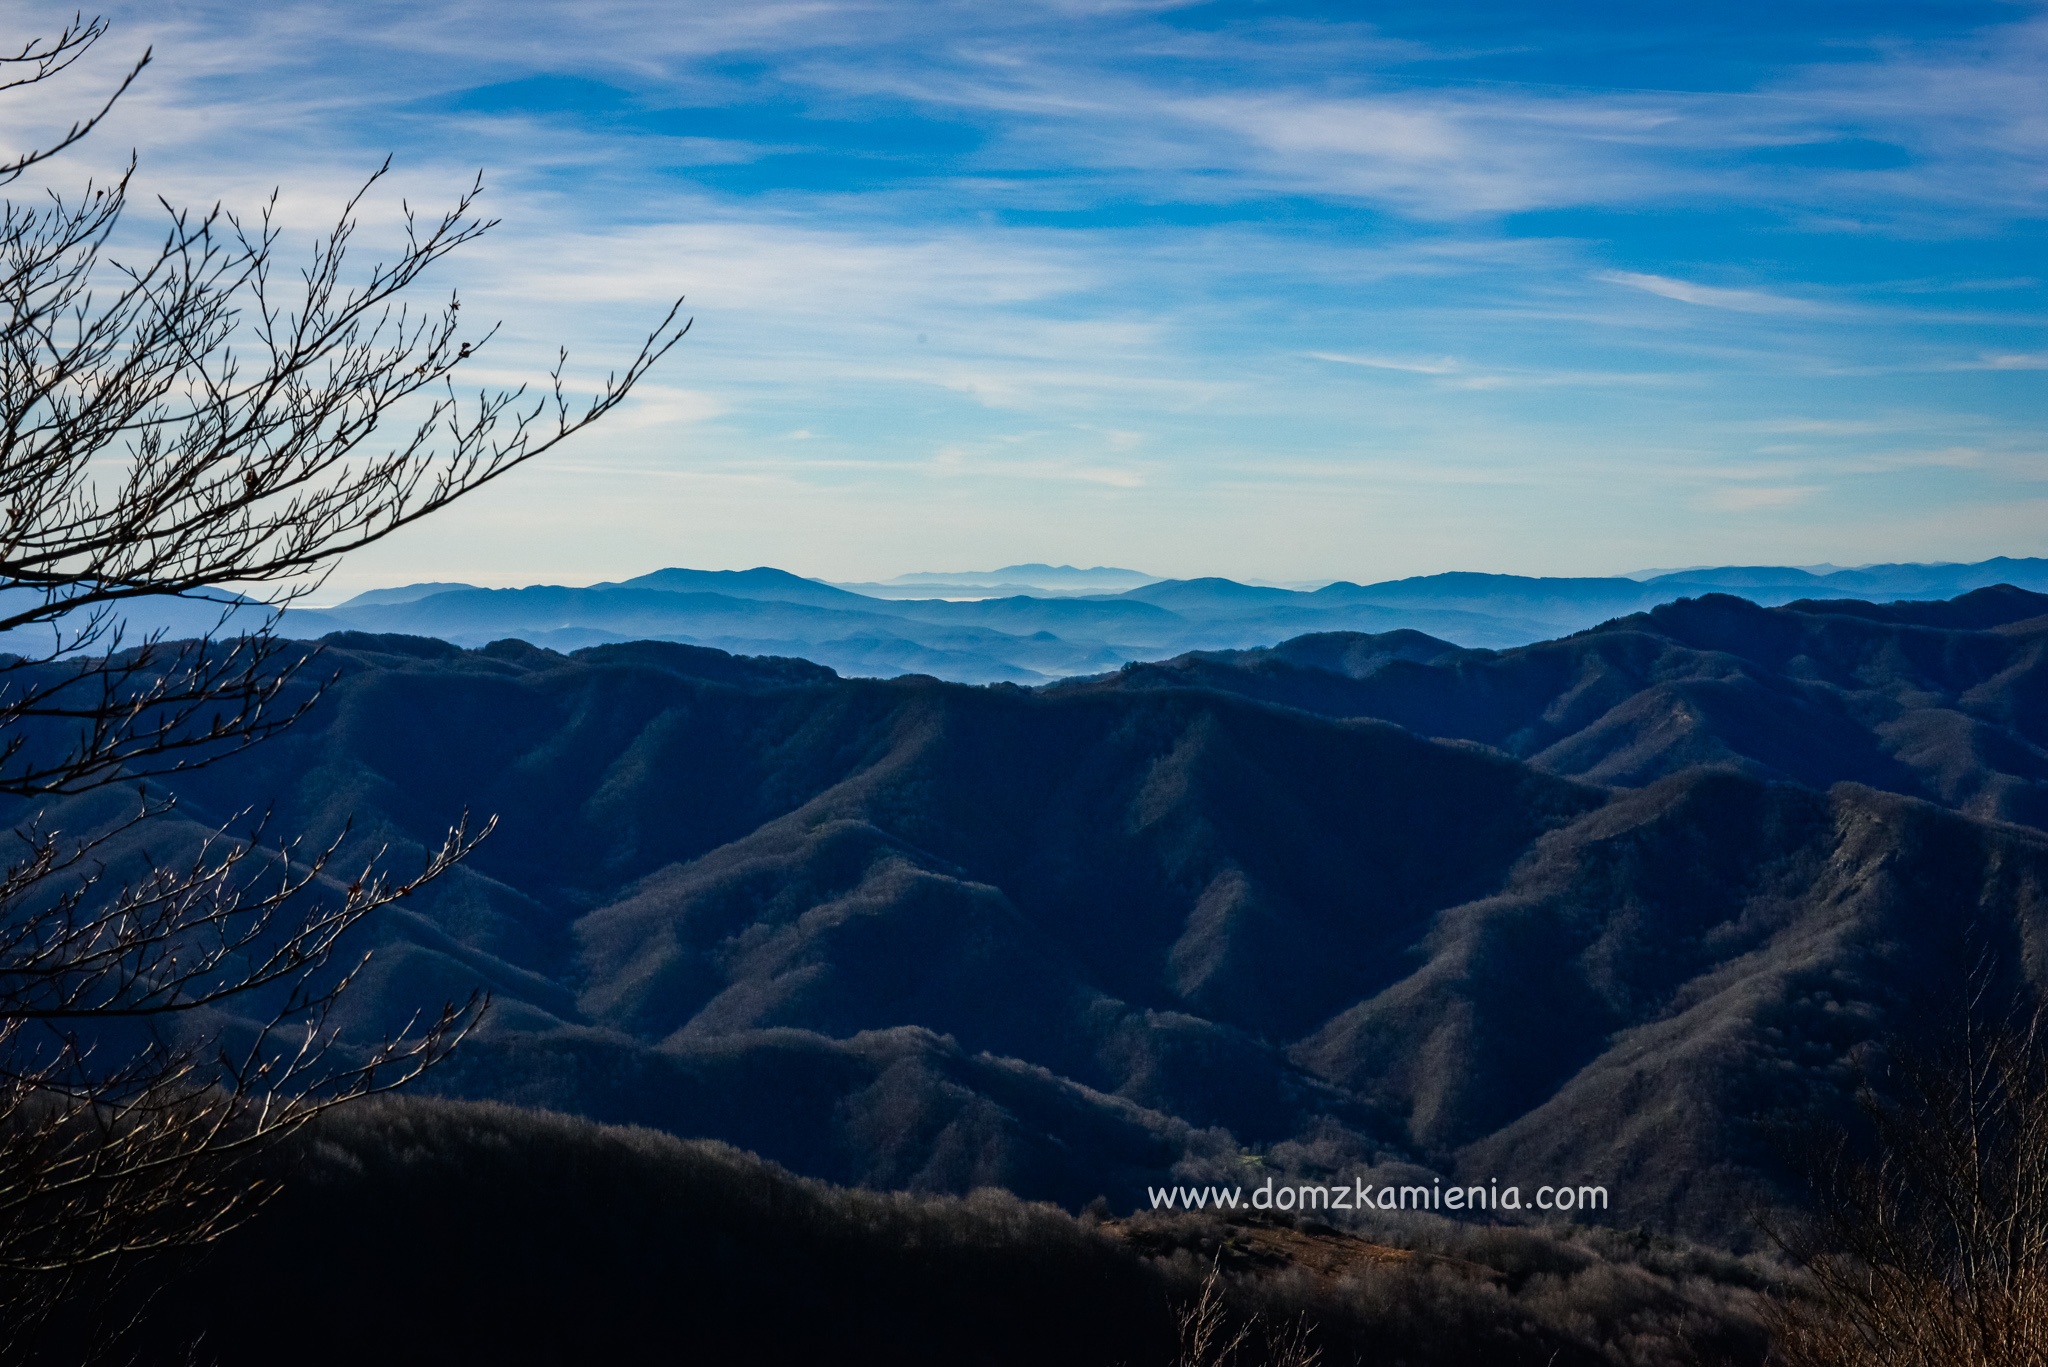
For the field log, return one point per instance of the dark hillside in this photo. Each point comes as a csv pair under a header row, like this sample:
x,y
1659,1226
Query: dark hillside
x,y
927,936
1944,700
483,1234
1678,973
1982,609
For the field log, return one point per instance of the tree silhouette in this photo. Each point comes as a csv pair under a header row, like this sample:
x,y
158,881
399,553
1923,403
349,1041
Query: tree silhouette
x,y
200,423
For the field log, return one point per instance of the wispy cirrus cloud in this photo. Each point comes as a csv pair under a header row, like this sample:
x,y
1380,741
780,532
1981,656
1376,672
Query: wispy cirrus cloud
x,y
1710,296
1443,366
1257,108
1422,253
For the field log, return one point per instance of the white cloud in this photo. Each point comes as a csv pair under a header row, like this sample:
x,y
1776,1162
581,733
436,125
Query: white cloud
x,y
1445,366
1045,307
659,405
1709,296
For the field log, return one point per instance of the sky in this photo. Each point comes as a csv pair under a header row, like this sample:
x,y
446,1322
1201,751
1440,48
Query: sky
x,y
1281,291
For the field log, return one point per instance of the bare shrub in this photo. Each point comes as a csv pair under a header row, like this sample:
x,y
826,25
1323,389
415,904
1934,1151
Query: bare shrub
x,y
1932,1247
1442,1292
1212,1336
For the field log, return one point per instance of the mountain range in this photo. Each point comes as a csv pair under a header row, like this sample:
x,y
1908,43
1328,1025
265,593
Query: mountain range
x,y
1035,623
1613,908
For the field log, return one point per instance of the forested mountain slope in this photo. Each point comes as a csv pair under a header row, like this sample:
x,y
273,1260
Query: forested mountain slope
x,y
498,1235
913,934
1944,700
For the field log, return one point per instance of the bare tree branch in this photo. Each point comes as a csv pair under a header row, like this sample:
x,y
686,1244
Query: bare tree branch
x,y
44,58
191,424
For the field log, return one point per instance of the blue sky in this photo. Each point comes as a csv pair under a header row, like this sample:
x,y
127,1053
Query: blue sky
x,y
1281,291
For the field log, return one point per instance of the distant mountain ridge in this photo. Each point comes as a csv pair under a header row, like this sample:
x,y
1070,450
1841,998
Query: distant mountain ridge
x,y
973,628
1944,700
1101,578
1595,909
1896,580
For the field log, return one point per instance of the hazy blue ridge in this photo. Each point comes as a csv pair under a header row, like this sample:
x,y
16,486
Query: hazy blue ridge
x,y
978,629
1099,578
206,612
405,594
762,582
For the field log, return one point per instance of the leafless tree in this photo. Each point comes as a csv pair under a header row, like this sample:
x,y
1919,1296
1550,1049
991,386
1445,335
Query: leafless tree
x,y
195,422
1931,1249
